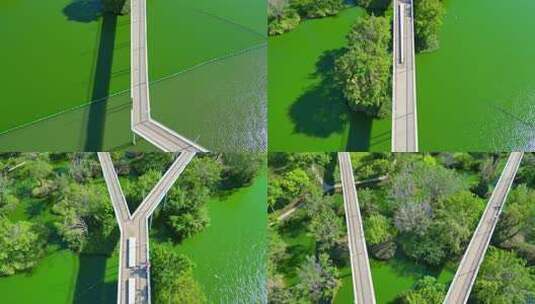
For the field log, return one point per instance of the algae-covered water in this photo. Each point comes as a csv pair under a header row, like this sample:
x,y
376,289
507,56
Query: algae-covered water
x,y
477,92
230,254
64,54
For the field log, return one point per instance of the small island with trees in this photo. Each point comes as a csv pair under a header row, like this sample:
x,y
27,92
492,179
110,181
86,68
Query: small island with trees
x,y
362,68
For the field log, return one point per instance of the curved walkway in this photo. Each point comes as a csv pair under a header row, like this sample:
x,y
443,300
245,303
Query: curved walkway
x,y
142,122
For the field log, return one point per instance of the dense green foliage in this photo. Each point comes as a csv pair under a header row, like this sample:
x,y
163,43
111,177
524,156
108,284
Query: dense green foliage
x,y
285,15
364,71
504,278
67,201
172,278
429,16
21,246
426,291
241,168
421,207
294,184
119,7
318,281
84,210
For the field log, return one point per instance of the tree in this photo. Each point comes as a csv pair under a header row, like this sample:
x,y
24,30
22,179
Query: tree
x,y
281,17
515,218
183,210
294,184
421,182
118,7
504,278
38,170
172,278
326,228
426,291
275,192
277,250
364,71
186,224
84,212
318,281
201,173
413,218
83,167
241,168
317,8
7,199
446,231
136,191
20,246
378,229
429,16
379,233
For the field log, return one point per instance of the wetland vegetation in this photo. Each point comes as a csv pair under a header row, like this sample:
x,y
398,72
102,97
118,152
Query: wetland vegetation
x,y
55,211
419,212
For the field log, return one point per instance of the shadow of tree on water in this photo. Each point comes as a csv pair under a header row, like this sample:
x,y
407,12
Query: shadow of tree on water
x,y
83,10
322,110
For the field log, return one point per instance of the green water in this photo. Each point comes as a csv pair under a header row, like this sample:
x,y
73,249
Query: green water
x,y
477,92
390,279
64,54
305,113
63,277
54,279
230,254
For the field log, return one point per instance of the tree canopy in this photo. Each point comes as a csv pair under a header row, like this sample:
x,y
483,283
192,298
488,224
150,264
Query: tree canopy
x,y
364,70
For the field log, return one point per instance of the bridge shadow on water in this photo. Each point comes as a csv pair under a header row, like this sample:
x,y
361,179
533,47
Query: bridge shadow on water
x,y
322,110
92,11
90,285
96,281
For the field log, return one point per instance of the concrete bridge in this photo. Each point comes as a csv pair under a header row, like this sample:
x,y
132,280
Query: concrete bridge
x,y
466,274
142,122
404,116
360,264
134,267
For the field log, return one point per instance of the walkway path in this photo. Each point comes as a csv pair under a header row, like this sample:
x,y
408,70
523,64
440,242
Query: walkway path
x,y
465,277
136,226
360,266
404,116
142,122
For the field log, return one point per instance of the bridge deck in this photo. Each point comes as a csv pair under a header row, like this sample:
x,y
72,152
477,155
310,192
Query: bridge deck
x,y
466,274
404,116
360,265
142,122
136,226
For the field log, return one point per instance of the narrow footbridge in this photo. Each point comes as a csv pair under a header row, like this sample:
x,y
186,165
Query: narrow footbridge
x,y
404,116
142,122
360,264
465,277
134,267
